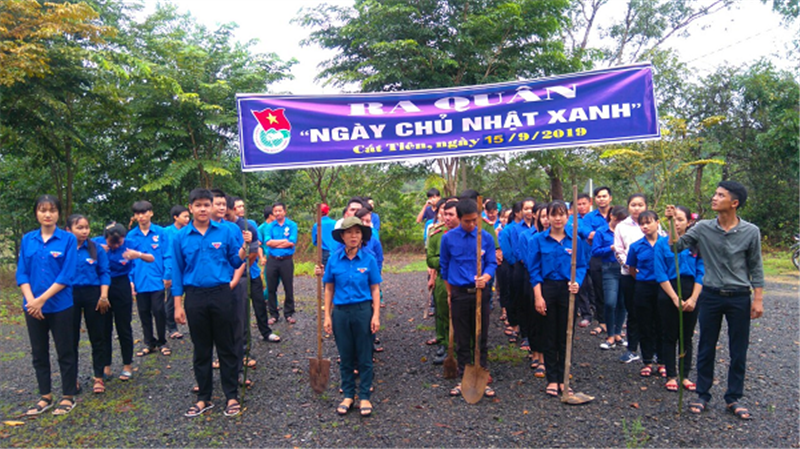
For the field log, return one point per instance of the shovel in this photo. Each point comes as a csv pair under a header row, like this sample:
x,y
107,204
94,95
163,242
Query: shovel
x,y
566,397
450,366
319,369
476,377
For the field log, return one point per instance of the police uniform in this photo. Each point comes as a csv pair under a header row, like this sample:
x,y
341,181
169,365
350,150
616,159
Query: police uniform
x,y
439,290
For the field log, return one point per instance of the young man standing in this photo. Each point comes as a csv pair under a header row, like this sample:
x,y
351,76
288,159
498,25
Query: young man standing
x,y
151,279
328,243
281,237
597,220
442,310
180,218
427,212
731,251
205,255
458,264
585,297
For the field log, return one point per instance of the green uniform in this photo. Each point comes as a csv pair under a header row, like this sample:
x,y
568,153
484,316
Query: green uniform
x,y
488,227
439,289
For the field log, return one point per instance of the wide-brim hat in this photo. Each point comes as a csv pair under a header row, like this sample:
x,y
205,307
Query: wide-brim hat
x,y
347,223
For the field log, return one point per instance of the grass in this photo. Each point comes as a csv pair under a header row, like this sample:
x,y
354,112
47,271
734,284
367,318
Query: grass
x,y
507,354
419,266
778,263
425,328
635,434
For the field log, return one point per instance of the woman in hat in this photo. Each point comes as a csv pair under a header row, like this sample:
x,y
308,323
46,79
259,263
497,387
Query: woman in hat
x,y
352,309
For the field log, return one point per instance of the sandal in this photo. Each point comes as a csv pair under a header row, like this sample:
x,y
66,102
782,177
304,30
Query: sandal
x,y
345,406
274,338
503,316
539,372
431,342
646,371
215,364
99,386
513,337
195,410
176,335
739,411
365,410
125,375
145,351
233,409
689,385
249,383
671,385
195,389
272,321
40,408
509,331
489,392
525,346
697,406
456,391
535,364
662,371
62,408
165,351
251,363
552,391
291,320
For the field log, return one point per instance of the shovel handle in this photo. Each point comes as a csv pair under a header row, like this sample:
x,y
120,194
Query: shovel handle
x,y
319,282
571,312
479,292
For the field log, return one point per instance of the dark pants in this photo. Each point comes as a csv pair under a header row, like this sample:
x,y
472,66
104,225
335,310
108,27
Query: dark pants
x,y
151,308
60,324
351,329
259,306
211,313
627,286
119,316
670,331
736,310
585,298
556,298
596,273
525,309
240,319
169,305
280,270
463,303
85,305
646,294
325,255
503,275
517,291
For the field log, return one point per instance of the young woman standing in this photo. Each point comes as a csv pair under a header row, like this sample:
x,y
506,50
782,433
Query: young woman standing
x,y
614,305
45,269
627,232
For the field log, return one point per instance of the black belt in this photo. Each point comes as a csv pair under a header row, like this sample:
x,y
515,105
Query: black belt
x,y
465,289
730,292
280,257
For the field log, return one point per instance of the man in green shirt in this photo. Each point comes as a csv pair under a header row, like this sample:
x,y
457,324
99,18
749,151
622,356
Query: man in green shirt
x,y
439,290
731,251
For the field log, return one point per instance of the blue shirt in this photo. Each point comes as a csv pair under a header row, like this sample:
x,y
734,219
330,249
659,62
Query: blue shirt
x,y
262,237
524,242
286,231
601,245
42,264
204,260
504,238
150,277
690,264
642,256
118,265
458,253
584,229
376,222
91,271
425,230
351,278
255,270
550,259
519,229
375,249
328,243
595,220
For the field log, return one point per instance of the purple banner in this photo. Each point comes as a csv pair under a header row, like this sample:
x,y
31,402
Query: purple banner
x,y
598,107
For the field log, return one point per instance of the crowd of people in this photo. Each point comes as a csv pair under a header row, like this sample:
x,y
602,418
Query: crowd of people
x,y
196,271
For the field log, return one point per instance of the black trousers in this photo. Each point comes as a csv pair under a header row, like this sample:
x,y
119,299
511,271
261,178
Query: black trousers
x,y
517,288
120,315
239,327
60,325
556,297
599,302
169,305
646,293
503,275
259,306
211,313
85,305
525,306
462,304
627,286
152,308
280,270
585,298
670,331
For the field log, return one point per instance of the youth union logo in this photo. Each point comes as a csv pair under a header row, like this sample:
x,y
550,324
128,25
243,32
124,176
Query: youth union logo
x,y
273,133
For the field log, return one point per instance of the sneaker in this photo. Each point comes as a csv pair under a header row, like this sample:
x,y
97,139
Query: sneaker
x,y
607,345
629,357
624,342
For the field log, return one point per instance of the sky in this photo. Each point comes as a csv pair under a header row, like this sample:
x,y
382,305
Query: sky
x,y
740,35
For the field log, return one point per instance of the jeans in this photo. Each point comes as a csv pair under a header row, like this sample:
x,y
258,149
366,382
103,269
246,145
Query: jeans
x,y
614,304
736,310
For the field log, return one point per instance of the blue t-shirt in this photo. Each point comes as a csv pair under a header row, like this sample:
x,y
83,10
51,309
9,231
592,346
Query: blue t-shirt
x,y
351,278
458,254
550,259
641,255
150,277
118,265
42,264
205,260
690,264
328,243
601,245
285,231
91,271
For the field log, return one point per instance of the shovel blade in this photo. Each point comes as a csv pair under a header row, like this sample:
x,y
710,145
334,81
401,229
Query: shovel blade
x,y
319,371
474,382
450,367
578,399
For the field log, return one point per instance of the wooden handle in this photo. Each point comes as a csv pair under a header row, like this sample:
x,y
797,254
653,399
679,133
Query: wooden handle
x,y
479,292
571,309
319,282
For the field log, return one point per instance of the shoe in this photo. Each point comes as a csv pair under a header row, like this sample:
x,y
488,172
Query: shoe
x,y
624,342
431,311
629,357
273,338
607,345
441,354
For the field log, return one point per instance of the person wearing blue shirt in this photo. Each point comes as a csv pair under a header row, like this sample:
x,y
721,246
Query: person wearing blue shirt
x,y
585,300
641,257
549,262
692,271
205,255
281,237
45,269
614,304
505,272
598,219
151,279
352,309
523,299
328,243
457,260
374,217
90,294
264,253
180,218
122,255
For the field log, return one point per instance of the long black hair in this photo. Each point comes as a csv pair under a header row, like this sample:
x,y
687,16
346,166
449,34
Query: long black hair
x,y
71,221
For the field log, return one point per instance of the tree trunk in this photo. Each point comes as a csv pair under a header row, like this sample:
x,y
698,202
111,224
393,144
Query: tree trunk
x,y
70,178
698,192
556,184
